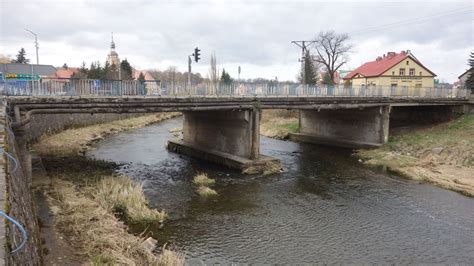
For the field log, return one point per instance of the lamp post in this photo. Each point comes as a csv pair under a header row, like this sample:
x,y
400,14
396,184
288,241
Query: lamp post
x,y
36,44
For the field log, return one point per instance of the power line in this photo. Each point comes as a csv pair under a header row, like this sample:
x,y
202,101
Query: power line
x,y
457,11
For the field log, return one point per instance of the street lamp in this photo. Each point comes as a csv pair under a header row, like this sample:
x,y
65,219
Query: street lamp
x,y
36,44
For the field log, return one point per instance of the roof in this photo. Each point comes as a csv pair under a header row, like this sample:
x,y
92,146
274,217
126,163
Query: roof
x,y
382,64
465,72
65,73
146,74
17,68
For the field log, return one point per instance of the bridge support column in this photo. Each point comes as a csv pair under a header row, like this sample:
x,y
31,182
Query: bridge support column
x,y
231,138
351,128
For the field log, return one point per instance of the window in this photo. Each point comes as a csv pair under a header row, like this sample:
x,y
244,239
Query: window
x,y
412,72
420,73
407,62
393,73
418,85
402,72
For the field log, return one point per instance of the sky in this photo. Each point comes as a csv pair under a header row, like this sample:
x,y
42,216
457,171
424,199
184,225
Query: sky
x,y
253,34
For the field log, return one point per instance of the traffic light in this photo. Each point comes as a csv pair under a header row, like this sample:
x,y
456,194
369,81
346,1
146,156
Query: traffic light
x,y
196,54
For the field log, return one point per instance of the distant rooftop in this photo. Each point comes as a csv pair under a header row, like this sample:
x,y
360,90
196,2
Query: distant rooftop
x,y
17,68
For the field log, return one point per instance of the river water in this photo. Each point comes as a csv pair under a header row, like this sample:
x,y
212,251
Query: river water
x,y
325,207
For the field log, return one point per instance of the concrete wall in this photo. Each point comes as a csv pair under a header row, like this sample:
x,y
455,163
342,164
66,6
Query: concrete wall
x,y
17,202
225,131
368,126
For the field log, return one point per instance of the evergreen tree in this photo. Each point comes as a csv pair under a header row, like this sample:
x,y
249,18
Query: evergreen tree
x,y
127,71
225,77
82,73
21,57
470,78
141,84
309,76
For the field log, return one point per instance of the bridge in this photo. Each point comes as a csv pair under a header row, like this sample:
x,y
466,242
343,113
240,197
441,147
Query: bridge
x,y
222,121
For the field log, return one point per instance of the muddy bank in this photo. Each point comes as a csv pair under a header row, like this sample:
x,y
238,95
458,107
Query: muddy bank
x,y
90,205
442,155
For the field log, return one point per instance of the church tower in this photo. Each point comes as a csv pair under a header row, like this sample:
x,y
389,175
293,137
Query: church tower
x,y
112,57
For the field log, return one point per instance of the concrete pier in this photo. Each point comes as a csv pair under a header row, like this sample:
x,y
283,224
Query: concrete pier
x,y
227,137
351,128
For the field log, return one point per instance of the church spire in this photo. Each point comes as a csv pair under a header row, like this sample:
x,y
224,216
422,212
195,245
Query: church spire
x,y
112,44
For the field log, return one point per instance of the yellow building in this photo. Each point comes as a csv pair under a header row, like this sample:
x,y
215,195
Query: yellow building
x,y
393,70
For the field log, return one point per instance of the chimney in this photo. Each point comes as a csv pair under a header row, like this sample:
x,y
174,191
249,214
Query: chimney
x,y
379,58
390,54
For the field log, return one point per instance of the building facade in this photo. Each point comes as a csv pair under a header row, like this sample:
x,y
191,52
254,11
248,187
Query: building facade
x,y
394,70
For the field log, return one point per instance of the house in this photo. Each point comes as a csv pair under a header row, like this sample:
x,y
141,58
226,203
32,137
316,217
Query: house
x,y
25,72
393,70
464,76
65,73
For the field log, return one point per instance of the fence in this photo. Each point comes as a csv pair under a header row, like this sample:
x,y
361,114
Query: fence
x,y
89,87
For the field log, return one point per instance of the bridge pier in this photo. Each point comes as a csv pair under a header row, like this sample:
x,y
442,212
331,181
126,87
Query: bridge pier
x,y
350,128
227,137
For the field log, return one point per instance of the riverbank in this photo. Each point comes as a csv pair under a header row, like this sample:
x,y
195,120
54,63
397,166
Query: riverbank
x,y
442,155
279,124
91,205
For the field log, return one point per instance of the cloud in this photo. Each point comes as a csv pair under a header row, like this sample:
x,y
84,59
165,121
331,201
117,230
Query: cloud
x,y
254,34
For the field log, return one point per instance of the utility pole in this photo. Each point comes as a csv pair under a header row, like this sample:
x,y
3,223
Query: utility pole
x,y
304,45
36,44
189,70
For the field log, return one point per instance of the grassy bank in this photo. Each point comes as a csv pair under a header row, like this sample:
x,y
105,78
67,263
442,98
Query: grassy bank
x,y
442,155
91,204
278,123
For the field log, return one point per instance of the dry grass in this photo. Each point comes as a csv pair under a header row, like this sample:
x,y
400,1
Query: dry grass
x,y
94,231
169,257
203,180
205,192
78,140
122,197
279,123
442,155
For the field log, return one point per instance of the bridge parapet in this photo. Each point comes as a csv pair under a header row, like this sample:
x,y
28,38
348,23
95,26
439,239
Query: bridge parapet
x,y
107,88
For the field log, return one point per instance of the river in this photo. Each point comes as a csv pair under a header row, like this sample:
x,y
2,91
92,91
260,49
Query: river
x,y
325,207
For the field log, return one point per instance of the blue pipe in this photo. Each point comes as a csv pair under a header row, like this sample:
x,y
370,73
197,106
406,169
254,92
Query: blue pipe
x,y
23,231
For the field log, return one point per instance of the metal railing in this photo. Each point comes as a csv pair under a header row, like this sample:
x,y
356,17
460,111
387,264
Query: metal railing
x,y
97,88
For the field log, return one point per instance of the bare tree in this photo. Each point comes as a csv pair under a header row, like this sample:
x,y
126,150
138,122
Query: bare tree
x,y
213,71
332,50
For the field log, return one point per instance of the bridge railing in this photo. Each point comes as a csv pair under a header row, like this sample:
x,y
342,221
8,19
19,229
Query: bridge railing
x,y
98,88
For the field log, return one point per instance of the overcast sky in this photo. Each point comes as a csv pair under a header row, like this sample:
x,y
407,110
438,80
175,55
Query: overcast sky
x,y
254,34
